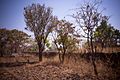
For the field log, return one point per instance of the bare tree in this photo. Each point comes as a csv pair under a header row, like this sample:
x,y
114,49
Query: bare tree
x,y
38,19
88,17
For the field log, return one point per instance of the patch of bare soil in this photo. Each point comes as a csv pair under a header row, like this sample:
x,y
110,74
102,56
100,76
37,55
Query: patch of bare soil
x,y
5,75
45,71
76,68
40,71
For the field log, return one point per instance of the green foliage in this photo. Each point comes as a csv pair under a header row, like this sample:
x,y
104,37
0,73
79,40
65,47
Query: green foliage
x,y
63,37
107,35
47,44
12,40
40,21
65,41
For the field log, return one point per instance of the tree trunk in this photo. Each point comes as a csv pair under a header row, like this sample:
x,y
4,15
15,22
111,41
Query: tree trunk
x,y
60,57
40,51
94,66
88,41
40,54
92,57
63,56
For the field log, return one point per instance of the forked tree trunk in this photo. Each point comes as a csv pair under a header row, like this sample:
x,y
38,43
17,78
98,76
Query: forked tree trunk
x,y
63,56
60,57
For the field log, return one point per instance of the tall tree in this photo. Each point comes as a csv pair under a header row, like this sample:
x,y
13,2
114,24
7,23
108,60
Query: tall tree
x,y
88,17
38,19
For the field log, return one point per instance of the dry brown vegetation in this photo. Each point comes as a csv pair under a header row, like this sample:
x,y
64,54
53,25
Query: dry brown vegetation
x,y
75,67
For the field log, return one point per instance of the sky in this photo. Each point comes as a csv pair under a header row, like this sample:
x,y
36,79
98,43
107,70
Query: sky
x,y
11,11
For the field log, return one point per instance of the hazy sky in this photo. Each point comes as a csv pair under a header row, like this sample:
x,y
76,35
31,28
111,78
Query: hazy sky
x,y
11,11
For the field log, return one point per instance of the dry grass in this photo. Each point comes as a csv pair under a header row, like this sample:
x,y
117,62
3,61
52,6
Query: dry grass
x,y
74,68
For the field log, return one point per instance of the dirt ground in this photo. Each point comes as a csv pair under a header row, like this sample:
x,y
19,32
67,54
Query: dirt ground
x,y
27,67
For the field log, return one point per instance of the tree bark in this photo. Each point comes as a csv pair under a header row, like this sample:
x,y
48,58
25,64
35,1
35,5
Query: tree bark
x,y
60,57
64,52
63,56
88,42
40,51
92,57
